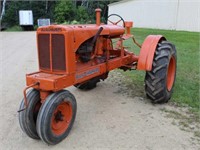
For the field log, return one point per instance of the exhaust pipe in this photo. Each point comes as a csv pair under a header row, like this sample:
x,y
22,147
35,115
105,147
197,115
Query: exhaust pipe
x,y
98,16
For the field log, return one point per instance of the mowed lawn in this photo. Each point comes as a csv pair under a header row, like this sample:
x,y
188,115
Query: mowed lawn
x,y
186,90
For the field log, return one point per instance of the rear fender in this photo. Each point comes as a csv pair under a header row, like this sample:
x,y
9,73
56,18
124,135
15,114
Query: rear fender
x,y
147,52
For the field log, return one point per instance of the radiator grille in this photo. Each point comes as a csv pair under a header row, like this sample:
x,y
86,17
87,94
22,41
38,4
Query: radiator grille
x,y
56,60
44,55
58,52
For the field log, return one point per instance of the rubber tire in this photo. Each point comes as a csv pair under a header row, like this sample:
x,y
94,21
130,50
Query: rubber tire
x,y
45,114
156,79
27,118
88,85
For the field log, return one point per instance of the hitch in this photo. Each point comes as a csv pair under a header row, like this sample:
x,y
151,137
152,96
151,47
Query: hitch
x,y
25,98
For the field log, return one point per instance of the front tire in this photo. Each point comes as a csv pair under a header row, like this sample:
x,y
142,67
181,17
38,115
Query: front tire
x,y
160,80
28,117
56,117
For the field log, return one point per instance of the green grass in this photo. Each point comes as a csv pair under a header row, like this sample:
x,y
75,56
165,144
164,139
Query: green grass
x,y
186,90
17,28
14,29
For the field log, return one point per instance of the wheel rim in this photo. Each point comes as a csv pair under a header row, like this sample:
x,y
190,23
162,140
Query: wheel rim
x,y
61,118
171,73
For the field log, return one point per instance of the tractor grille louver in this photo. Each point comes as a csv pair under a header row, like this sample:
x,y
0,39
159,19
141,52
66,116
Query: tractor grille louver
x,y
56,53
44,55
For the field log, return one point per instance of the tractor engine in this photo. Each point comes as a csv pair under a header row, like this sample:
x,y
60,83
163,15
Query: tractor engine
x,y
86,51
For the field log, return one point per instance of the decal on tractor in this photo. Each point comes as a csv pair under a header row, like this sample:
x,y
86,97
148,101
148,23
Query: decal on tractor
x,y
51,29
87,73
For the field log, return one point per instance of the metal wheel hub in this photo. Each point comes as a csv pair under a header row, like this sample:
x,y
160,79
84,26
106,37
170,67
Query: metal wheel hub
x,y
61,118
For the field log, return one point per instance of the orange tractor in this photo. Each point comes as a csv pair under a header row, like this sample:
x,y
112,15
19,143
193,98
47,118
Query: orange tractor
x,y
82,55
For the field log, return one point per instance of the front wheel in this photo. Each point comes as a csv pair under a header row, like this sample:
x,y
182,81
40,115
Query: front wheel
x,y
56,117
28,117
160,80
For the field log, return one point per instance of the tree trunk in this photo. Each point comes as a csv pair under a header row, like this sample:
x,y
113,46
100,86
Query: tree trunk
x,y
46,8
3,9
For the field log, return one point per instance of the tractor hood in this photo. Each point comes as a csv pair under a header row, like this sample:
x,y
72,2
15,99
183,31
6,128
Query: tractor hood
x,y
82,32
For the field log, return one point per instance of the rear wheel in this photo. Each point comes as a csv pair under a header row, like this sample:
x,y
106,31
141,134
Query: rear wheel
x,y
28,117
56,117
160,80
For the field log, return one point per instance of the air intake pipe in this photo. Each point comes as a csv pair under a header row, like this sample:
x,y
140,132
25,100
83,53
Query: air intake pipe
x,y
98,16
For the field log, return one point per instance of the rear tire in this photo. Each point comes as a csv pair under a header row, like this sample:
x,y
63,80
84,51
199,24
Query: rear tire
x,y
28,117
56,117
160,80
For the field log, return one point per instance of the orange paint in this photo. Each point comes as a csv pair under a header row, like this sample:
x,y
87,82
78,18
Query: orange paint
x,y
61,118
171,73
98,16
128,26
147,52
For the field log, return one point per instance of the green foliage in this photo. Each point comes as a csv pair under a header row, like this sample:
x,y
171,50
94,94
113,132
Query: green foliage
x,y
81,14
10,18
41,9
14,28
70,22
75,22
64,11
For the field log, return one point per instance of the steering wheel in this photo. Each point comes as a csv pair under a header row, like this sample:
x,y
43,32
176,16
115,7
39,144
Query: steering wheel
x,y
115,23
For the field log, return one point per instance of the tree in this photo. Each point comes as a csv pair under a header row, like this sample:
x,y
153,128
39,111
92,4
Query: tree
x,y
41,9
59,11
64,11
3,4
81,14
10,17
